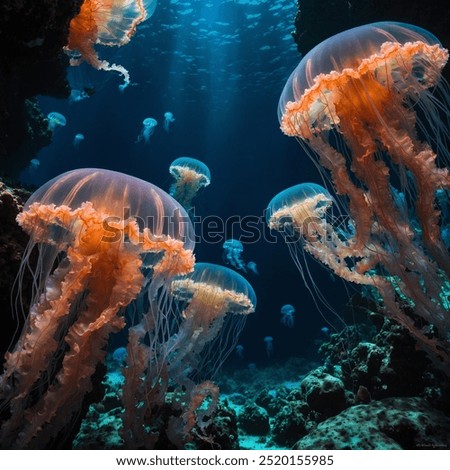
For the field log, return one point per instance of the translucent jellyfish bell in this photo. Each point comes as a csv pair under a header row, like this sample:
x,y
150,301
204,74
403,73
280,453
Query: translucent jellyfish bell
x,y
215,302
148,128
232,254
168,119
287,315
77,140
190,176
55,120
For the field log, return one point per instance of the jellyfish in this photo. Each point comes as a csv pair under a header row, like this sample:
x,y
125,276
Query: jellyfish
x,y
77,140
168,119
211,304
252,267
239,351
371,105
34,164
190,176
287,315
148,128
102,237
268,341
55,120
232,254
109,23
77,95
119,356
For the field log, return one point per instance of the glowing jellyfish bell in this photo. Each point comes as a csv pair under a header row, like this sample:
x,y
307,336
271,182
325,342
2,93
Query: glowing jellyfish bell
x,y
55,120
148,128
190,176
77,140
168,119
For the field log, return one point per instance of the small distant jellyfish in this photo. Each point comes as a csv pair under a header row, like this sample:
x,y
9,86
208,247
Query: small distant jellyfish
x,y
77,140
325,330
240,351
190,176
287,315
268,340
233,250
55,120
148,128
168,119
77,95
34,164
252,267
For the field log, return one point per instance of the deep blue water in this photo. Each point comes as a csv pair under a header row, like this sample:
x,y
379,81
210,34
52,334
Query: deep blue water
x,y
219,66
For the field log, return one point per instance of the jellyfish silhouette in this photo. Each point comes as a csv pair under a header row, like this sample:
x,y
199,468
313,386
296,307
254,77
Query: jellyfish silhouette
x,y
102,238
55,120
148,127
34,164
168,119
287,315
239,351
77,140
109,23
268,341
190,176
372,105
252,267
232,254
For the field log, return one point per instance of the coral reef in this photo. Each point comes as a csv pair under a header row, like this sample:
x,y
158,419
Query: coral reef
x,y
392,423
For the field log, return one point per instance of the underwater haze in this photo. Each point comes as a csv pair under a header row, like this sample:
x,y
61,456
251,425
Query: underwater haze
x,y
219,67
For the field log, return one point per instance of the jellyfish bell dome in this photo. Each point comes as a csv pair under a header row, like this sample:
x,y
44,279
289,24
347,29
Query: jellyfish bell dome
x,y
287,309
296,204
180,167
150,122
55,119
119,197
390,50
233,244
218,282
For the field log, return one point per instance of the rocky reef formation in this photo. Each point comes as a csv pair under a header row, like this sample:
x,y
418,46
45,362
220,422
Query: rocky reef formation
x,y
32,62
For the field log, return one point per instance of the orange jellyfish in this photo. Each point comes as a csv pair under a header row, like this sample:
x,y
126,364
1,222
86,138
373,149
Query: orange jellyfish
x,y
102,237
372,105
190,176
210,307
108,23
